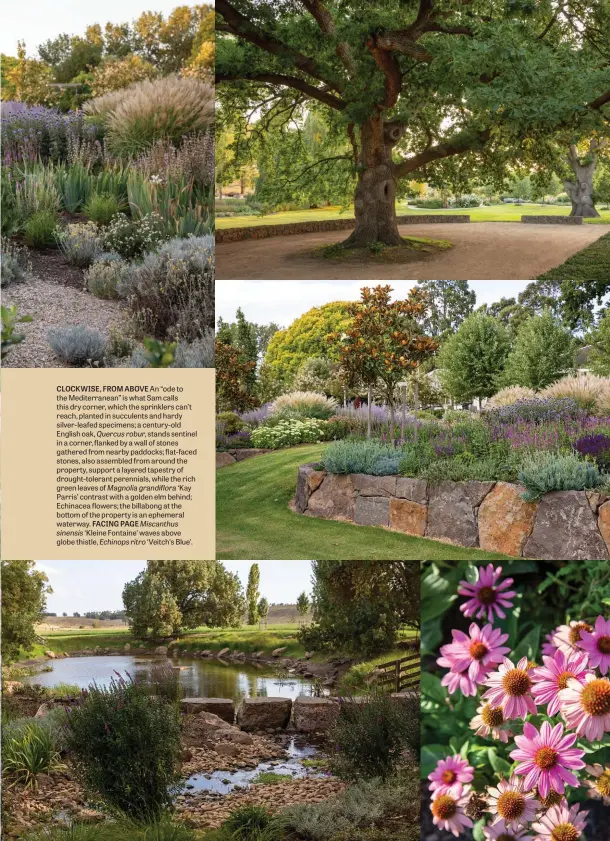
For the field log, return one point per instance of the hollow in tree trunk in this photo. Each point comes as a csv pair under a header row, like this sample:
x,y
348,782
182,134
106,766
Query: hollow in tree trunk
x,y
580,190
375,195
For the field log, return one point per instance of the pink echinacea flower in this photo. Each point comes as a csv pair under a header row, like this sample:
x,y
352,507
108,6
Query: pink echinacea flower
x,y
485,595
547,758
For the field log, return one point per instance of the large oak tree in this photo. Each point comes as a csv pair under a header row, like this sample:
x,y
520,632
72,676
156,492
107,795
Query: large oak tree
x,y
426,89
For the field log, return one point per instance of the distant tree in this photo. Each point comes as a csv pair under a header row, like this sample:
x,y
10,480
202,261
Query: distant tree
x,y
8,90
116,73
64,614
521,188
472,360
31,79
543,353
170,596
600,356
252,594
360,606
541,295
382,344
263,610
602,185
509,313
233,372
303,604
76,615
579,299
450,302
24,598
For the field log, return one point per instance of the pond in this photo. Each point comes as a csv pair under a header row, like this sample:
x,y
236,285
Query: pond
x,y
211,678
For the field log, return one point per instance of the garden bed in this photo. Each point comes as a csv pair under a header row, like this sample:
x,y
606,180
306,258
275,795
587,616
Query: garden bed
x,y
567,525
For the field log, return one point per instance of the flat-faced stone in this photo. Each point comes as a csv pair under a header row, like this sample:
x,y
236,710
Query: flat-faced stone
x,y
414,489
374,485
450,514
603,522
408,517
334,499
566,530
224,459
372,511
304,489
505,520
477,491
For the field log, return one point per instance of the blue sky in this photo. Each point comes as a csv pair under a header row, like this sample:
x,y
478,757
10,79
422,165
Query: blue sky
x,y
33,21
284,300
97,585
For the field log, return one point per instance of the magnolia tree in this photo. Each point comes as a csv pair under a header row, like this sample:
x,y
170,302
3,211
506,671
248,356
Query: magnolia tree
x,y
543,729
432,90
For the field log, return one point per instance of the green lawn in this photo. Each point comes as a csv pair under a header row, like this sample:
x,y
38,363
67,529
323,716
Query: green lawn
x,y
592,263
496,213
253,520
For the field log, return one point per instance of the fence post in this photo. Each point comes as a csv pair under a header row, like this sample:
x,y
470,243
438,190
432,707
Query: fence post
x,y
397,675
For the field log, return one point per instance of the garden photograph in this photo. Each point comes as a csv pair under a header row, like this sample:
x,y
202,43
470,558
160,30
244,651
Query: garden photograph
x,y
515,701
448,420
418,139
107,180
201,701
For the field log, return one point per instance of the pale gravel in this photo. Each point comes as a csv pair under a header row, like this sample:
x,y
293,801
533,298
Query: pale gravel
x,y
52,304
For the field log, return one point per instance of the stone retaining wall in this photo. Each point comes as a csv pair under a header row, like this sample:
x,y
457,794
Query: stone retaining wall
x,y
552,220
564,525
225,457
263,231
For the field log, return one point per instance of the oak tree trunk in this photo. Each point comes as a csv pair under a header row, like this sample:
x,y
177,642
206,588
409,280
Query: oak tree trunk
x,y
580,190
375,195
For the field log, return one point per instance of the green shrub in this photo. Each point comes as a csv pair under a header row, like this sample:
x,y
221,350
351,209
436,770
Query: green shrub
x,y
171,292
429,204
370,457
125,747
375,738
304,404
232,422
247,824
10,319
132,238
287,433
9,214
40,228
497,466
543,472
104,275
15,264
28,749
78,345
164,681
80,243
121,829
171,108
101,208
74,183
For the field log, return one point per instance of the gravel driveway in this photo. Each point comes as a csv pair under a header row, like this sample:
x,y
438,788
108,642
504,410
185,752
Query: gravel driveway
x,y
482,251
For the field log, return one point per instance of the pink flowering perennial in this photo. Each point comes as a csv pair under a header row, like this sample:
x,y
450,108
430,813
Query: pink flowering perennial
x,y
470,657
451,775
510,688
547,758
550,679
586,706
596,644
486,596
561,822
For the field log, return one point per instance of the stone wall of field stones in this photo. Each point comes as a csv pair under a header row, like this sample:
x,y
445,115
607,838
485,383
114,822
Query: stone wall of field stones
x,y
564,525
263,231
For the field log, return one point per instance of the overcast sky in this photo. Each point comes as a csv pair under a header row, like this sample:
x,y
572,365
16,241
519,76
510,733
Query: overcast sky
x,y
97,585
263,301
33,21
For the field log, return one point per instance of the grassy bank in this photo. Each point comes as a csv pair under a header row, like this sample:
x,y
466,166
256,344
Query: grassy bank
x,y
253,520
592,263
496,213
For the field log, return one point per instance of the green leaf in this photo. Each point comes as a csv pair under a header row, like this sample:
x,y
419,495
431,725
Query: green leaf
x,y
477,830
431,687
431,636
429,757
500,766
528,647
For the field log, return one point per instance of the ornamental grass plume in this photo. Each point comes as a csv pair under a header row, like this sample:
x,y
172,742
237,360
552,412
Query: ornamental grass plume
x,y
592,393
470,657
547,758
509,396
486,595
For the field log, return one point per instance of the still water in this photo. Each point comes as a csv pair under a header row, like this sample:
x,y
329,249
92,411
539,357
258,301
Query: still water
x,y
200,678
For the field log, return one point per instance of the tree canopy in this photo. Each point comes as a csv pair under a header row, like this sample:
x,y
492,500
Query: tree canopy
x,y
24,594
170,596
428,89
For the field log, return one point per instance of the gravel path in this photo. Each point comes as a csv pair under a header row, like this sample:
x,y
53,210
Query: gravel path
x,y
52,304
482,251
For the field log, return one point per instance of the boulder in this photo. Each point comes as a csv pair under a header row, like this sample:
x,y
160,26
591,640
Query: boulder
x,y
308,655
126,647
50,655
308,480
277,652
66,654
42,711
161,650
206,652
374,485
408,517
604,523
264,713
222,707
247,452
372,511
223,652
314,715
227,749
334,499
9,687
415,490
477,491
285,663
566,530
505,520
224,459
450,514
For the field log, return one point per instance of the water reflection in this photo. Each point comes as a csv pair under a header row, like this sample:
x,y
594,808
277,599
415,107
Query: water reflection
x,y
201,678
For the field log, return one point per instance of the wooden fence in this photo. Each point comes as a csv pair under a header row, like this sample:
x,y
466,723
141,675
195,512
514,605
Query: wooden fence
x,y
399,675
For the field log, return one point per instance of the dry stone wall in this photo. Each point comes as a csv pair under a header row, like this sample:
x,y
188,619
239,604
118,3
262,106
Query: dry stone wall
x,y
263,231
564,525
